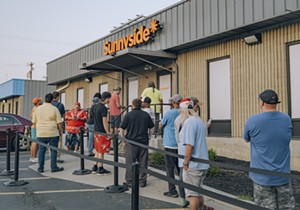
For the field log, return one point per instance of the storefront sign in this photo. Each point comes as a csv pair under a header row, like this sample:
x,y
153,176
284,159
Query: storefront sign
x,y
138,37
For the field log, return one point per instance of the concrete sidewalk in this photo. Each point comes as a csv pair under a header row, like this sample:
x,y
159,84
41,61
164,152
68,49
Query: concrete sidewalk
x,y
154,189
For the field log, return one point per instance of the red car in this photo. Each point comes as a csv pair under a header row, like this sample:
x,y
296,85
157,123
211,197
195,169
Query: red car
x,y
15,123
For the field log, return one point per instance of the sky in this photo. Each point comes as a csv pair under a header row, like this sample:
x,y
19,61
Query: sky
x,y
39,31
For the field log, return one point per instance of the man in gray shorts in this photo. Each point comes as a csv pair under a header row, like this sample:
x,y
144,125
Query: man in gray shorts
x,y
191,143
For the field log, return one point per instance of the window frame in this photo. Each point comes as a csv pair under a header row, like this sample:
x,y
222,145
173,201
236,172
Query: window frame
x,y
219,127
295,121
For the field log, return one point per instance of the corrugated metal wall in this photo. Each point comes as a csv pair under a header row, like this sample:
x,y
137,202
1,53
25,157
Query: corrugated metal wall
x,y
33,88
253,69
184,22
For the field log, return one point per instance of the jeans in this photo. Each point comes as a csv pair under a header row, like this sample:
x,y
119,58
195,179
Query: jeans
x,y
91,138
171,168
52,141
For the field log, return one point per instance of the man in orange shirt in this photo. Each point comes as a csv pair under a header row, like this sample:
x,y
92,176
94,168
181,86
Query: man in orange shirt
x,y
75,118
115,109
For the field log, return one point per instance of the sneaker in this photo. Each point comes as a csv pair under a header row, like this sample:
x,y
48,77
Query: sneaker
x,y
40,170
60,160
57,169
30,159
94,169
185,203
91,155
127,184
103,172
143,184
170,194
205,207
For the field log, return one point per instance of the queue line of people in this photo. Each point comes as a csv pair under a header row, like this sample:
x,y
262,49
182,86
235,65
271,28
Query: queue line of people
x,y
185,134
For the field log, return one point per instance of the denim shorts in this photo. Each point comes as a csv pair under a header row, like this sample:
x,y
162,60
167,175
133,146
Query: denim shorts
x,y
72,139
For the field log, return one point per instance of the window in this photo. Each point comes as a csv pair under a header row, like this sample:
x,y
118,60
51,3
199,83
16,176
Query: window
x,y
103,87
80,94
9,120
63,98
219,91
294,86
17,107
9,107
3,108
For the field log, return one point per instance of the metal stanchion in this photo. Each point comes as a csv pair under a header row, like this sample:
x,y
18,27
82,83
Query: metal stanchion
x,y
135,187
7,171
16,181
116,188
82,171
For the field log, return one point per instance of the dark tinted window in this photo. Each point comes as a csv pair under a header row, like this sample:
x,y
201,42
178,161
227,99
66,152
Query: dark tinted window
x,y
8,120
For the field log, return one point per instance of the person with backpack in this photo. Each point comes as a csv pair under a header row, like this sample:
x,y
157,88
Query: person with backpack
x,y
61,108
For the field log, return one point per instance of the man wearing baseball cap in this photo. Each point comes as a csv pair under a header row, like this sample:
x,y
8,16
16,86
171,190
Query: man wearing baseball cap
x,y
170,145
269,134
191,136
34,146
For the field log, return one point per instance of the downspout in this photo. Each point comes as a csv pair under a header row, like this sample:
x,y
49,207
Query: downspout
x,y
176,76
63,87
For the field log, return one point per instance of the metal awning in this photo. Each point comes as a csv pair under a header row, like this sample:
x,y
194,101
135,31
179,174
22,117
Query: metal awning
x,y
128,58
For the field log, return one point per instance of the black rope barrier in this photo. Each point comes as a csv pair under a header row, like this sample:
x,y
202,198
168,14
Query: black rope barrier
x,y
209,193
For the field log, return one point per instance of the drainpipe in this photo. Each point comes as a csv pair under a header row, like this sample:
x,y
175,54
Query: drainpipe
x,y
176,77
63,87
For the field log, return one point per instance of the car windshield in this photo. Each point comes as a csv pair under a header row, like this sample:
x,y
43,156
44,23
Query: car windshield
x,y
9,120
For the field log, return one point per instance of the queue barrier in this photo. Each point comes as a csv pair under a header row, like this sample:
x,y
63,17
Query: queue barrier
x,y
15,181
136,168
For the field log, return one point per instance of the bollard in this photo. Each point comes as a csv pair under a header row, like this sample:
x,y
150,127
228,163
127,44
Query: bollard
x,y
16,181
135,187
116,188
7,171
82,171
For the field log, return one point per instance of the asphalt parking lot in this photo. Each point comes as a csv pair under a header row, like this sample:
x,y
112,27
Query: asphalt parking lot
x,y
48,193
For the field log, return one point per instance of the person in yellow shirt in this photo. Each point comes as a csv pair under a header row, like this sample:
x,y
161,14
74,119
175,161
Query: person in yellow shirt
x,y
156,98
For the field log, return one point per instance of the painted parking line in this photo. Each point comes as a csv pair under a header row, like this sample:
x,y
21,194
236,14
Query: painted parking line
x,y
34,178
53,191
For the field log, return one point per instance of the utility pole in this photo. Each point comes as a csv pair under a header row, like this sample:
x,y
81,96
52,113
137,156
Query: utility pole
x,y
29,74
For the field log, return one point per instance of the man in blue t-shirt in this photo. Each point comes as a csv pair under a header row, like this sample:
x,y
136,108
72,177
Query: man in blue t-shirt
x,y
170,145
269,134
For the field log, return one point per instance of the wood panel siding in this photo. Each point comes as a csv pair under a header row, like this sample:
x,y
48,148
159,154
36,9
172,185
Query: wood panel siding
x,y
253,69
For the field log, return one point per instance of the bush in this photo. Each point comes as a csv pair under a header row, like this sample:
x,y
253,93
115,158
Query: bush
x,y
212,154
157,158
213,170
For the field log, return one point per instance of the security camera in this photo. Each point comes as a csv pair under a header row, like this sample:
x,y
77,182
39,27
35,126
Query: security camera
x,y
84,64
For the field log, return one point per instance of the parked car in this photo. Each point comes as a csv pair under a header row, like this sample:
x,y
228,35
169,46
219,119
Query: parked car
x,y
15,123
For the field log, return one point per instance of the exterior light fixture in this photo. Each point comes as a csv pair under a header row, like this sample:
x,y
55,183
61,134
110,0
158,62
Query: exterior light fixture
x,y
147,67
253,39
88,79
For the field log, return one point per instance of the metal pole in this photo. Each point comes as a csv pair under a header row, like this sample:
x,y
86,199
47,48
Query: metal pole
x,y
16,181
16,177
81,171
135,187
7,171
116,159
116,188
81,148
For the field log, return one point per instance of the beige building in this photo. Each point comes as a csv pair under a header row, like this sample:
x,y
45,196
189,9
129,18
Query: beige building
x,y
223,53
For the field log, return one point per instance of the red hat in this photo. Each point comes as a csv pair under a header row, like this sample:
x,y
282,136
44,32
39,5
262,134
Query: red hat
x,y
36,100
77,104
186,103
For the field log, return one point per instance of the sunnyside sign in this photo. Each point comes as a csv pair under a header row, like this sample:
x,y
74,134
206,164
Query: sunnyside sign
x,y
138,37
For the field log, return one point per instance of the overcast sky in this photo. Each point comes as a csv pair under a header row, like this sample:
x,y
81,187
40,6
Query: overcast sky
x,y
39,31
